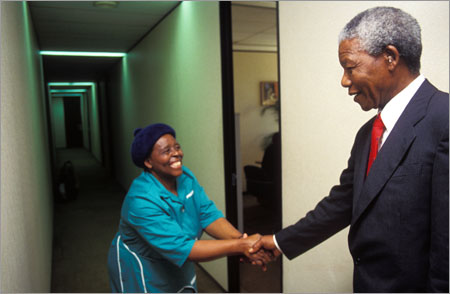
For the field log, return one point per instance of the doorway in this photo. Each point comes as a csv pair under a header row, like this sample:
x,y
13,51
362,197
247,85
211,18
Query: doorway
x,y
252,134
72,120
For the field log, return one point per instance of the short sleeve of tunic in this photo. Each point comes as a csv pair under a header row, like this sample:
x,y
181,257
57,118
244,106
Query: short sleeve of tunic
x,y
208,210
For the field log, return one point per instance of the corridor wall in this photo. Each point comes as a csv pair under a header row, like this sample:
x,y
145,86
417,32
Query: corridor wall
x,y
313,101
26,193
84,102
94,122
173,76
58,123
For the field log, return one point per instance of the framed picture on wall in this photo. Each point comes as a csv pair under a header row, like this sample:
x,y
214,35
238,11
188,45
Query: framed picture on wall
x,y
269,93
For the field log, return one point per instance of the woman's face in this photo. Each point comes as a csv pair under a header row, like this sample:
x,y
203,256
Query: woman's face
x,y
165,160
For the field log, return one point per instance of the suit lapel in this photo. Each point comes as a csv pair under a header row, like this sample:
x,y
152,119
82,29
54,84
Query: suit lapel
x,y
393,151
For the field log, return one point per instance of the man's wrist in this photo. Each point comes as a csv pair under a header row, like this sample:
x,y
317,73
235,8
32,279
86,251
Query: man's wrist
x,y
276,243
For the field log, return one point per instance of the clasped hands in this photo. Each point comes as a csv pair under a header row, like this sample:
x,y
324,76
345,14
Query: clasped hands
x,y
260,250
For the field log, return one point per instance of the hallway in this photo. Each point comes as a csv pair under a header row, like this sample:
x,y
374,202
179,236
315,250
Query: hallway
x,y
125,67
84,228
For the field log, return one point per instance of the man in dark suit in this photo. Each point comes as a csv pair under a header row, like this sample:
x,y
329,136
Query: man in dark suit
x,y
394,193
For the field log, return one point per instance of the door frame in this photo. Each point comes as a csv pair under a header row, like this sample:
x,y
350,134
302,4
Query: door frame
x,y
229,134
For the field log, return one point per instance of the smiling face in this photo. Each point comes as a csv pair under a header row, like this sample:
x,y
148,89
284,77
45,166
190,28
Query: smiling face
x,y
367,77
165,160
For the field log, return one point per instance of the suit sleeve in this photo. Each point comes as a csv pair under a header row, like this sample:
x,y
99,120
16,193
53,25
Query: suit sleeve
x,y
438,271
332,214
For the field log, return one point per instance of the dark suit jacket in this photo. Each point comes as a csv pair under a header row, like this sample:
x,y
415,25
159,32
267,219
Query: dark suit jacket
x,y
398,215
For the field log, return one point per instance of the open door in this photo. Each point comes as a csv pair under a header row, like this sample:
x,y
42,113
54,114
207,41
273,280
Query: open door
x,y
248,210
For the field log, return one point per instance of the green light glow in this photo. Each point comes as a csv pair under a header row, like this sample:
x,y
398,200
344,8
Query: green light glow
x,y
71,84
67,95
80,53
68,91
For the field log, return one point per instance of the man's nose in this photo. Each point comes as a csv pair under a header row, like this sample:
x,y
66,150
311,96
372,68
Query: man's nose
x,y
345,81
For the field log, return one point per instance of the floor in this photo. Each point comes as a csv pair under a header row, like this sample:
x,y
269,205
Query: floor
x,y
259,219
85,226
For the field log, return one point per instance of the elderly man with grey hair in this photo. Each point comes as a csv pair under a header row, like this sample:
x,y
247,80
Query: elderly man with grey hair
x,y
394,192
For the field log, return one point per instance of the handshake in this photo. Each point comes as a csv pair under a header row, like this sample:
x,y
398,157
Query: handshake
x,y
259,250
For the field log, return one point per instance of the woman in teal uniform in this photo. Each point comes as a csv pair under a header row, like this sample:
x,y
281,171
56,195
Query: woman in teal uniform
x,y
162,219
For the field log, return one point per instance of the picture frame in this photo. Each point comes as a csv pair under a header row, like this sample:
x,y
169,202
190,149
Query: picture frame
x,y
269,93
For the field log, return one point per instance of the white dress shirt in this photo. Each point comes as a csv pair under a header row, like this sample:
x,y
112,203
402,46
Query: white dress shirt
x,y
395,107
391,113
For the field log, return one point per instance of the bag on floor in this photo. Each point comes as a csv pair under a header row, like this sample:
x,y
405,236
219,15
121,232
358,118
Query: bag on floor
x,y
67,183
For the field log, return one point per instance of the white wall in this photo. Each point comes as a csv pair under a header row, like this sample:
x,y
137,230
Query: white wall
x,y
251,68
319,119
174,76
26,194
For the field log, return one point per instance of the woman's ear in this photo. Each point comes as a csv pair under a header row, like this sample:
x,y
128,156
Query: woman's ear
x,y
147,163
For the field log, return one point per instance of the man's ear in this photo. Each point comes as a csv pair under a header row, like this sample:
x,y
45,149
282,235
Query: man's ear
x,y
391,56
148,164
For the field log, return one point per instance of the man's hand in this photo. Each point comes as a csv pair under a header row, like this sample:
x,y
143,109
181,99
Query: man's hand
x,y
266,242
261,257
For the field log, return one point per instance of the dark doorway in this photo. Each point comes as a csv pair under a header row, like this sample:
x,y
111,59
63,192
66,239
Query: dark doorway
x,y
72,119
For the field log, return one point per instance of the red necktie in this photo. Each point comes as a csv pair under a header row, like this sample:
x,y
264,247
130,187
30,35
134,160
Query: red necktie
x,y
377,132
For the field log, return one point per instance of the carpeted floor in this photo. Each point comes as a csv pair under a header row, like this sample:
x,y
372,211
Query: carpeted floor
x,y
84,227
259,219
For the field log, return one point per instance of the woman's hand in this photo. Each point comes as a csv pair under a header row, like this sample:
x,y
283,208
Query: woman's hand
x,y
231,242
243,236
260,257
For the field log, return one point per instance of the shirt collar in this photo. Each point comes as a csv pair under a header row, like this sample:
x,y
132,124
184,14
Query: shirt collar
x,y
395,107
182,186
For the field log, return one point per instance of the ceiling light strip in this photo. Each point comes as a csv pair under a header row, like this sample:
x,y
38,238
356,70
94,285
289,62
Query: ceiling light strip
x,y
71,83
67,95
83,53
68,91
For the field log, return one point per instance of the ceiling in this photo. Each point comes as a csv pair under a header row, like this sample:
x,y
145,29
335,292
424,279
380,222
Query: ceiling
x,y
254,26
81,26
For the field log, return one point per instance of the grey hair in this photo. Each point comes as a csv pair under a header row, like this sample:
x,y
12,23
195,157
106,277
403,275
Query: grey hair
x,y
379,27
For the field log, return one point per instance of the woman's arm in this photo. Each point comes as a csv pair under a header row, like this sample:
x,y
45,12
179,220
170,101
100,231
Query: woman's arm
x,y
222,229
225,231
206,250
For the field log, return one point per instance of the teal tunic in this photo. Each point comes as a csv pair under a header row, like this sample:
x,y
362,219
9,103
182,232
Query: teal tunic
x,y
156,233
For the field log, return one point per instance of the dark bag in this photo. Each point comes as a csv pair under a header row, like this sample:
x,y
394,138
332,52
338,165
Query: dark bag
x,y
67,182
